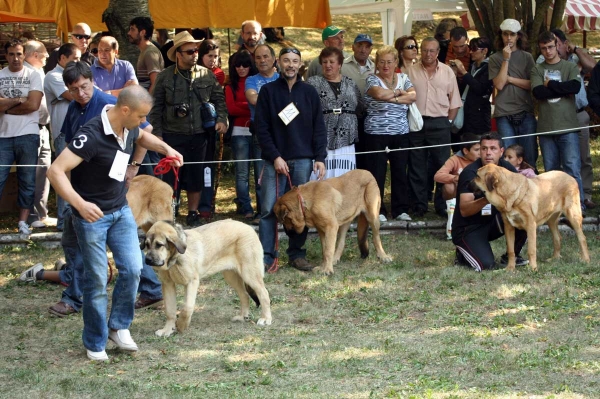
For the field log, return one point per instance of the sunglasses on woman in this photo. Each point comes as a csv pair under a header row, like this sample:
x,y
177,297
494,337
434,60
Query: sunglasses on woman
x,y
94,51
78,36
243,65
410,47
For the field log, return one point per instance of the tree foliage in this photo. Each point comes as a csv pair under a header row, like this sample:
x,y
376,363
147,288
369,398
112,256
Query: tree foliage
x,y
488,15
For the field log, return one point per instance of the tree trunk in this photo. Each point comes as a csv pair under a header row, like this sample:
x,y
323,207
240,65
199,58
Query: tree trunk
x,y
509,9
478,23
557,14
117,17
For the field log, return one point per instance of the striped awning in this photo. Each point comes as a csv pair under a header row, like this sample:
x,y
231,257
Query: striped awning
x,y
582,15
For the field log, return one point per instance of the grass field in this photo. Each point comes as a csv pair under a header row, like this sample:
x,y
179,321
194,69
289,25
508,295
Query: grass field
x,y
418,327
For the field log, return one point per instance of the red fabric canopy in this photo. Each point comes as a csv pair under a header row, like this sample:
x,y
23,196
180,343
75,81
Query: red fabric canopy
x,y
582,15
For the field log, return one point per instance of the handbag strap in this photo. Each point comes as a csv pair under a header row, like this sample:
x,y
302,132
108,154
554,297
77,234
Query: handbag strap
x,y
464,96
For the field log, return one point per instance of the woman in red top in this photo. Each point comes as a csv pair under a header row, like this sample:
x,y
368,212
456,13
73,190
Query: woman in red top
x,y
243,143
208,57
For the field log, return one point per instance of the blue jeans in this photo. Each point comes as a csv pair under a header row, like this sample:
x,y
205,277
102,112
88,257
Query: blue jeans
x,y
72,275
59,145
119,231
300,170
246,147
24,151
150,287
510,134
561,152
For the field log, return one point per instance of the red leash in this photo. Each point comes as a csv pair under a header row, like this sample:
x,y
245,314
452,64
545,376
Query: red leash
x,y
164,166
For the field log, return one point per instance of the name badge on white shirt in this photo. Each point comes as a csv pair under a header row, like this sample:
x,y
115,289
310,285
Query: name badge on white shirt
x,y
289,113
119,166
486,210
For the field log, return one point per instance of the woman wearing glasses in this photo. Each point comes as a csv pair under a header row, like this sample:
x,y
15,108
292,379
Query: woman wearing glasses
x,y
208,57
476,97
387,97
340,101
243,143
408,51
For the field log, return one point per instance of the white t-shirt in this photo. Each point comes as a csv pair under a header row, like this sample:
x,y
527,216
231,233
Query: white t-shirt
x,y
44,114
54,87
19,84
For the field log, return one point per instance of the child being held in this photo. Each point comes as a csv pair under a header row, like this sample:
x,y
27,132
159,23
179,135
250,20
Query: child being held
x,y
516,156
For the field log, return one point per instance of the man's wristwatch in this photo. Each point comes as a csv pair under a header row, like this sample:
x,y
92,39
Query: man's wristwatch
x,y
576,48
135,163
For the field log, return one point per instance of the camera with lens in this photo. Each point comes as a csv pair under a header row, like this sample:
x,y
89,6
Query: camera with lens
x,y
181,110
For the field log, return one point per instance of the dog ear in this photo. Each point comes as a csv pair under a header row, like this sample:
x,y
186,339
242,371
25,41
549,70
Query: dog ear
x,y
180,242
143,243
490,181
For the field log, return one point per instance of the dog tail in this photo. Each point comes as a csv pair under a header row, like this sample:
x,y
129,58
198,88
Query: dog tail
x,y
252,294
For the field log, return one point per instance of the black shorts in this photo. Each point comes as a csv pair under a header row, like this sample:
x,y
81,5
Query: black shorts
x,y
193,148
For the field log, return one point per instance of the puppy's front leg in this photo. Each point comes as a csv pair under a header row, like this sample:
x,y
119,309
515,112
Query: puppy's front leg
x,y
328,243
170,297
191,290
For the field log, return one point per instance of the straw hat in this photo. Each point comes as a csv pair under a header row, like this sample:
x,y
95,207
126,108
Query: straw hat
x,y
180,39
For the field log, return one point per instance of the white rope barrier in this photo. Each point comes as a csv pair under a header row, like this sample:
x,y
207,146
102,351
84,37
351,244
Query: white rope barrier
x,y
386,150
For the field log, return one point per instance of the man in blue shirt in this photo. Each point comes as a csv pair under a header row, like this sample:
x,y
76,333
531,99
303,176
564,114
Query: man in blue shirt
x,y
88,103
111,74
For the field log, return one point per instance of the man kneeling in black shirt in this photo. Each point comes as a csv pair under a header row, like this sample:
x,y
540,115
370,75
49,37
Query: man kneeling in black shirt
x,y
476,222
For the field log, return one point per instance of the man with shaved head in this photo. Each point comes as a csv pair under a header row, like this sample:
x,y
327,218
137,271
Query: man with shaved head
x,y
81,36
97,159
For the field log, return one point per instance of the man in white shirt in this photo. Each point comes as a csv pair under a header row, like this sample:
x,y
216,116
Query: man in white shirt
x,y
21,93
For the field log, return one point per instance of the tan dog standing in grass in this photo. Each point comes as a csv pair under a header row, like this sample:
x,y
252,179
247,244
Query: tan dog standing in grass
x,y
185,257
330,206
528,203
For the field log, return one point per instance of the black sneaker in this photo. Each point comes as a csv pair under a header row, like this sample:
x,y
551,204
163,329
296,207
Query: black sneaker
x,y
519,261
193,219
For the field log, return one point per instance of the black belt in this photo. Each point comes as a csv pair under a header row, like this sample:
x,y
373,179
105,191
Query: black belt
x,y
580,110
337,111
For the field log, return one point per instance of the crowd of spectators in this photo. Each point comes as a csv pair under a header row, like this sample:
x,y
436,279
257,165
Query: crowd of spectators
x,y
301,127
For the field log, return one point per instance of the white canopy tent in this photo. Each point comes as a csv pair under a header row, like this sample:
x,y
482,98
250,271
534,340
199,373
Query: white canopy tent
x,y
396,15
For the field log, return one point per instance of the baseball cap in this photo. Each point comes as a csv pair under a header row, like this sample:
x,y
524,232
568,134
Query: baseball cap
x,y
363,37
330,31
510,24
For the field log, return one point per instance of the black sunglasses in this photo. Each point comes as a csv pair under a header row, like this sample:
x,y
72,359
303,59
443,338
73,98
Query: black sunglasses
x,y
410,47
78,36
94,51
287,50
188,52
242,64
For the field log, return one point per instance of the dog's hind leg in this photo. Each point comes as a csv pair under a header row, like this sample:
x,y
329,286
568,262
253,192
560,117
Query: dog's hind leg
x,y
574,217
374,223
362,232
340,242
258,285
235,281
553,226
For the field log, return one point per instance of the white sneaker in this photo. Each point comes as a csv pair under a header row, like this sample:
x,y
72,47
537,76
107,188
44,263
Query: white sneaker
x,y
97,356
28,276
382,218
38,224
403,217
122,338
24,228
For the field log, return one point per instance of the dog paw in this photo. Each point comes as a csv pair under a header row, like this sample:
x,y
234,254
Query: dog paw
x,y
386,258
182,324
263,322
240,318
165,332
326,271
